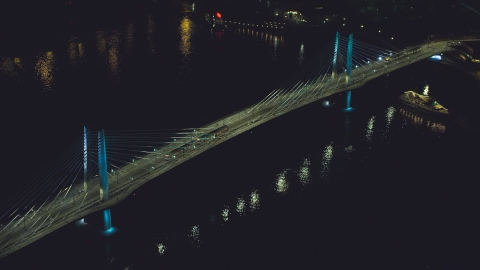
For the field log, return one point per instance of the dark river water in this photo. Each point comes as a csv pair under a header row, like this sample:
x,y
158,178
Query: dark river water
x,y
382,187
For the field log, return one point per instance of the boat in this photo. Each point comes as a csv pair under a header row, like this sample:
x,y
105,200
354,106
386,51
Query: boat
x,y
422,102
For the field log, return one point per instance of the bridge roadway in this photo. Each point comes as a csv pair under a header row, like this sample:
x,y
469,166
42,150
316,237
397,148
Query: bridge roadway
x,y
71,204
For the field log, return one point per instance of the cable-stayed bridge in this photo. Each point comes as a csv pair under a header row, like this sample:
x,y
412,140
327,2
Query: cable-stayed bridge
x,y
87,179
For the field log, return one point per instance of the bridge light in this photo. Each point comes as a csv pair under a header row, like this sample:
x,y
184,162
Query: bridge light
x,y
392,37
380,58
379,31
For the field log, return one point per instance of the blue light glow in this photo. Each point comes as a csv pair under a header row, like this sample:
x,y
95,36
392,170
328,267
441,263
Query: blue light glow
x,y
436,57
110,231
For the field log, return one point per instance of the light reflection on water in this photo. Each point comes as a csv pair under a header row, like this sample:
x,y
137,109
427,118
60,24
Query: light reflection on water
x,y
326,159
301,54
195,235
101,42
161,248
44,69
114,55
241,206
307,173
273,40
254,200
369,133
281,184
419,120
414,118
129,31
436,127
18,62
7,67
151,34
186,30
225,214
389,114
76,53
304,172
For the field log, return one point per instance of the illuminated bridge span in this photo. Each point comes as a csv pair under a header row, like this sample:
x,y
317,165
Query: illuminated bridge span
x,y
123,161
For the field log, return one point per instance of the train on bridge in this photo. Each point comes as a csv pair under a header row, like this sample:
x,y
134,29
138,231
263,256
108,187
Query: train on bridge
x,y
404,53
197,141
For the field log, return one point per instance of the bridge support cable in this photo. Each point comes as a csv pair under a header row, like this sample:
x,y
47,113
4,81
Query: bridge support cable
x,y
321,86
42,188
294,93
311,80
25,193
130,153
292,84
39,209
289,91
78,169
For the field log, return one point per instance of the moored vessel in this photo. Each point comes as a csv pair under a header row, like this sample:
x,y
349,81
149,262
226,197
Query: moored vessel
x,y
422,102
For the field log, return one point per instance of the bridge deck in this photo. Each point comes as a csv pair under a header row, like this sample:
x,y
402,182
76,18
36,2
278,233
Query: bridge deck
x,y
26,229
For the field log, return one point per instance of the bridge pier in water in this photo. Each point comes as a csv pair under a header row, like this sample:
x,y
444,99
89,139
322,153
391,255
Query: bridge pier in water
x,y
103,174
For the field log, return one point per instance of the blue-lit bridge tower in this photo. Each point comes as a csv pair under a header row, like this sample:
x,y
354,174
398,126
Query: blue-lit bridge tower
x,y
102,171
103,174
348,66
348,77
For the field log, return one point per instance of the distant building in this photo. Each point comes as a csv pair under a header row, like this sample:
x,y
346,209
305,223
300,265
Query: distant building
x,y
294,16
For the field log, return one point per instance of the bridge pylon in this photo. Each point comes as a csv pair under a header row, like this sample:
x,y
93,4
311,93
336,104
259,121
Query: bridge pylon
x,y
335,54
87,158
103,174
348,77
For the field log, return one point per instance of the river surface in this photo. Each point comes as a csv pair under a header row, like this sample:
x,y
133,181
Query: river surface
x,y
381,187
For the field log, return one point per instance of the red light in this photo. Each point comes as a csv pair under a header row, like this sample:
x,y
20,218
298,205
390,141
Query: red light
x,y
219,16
